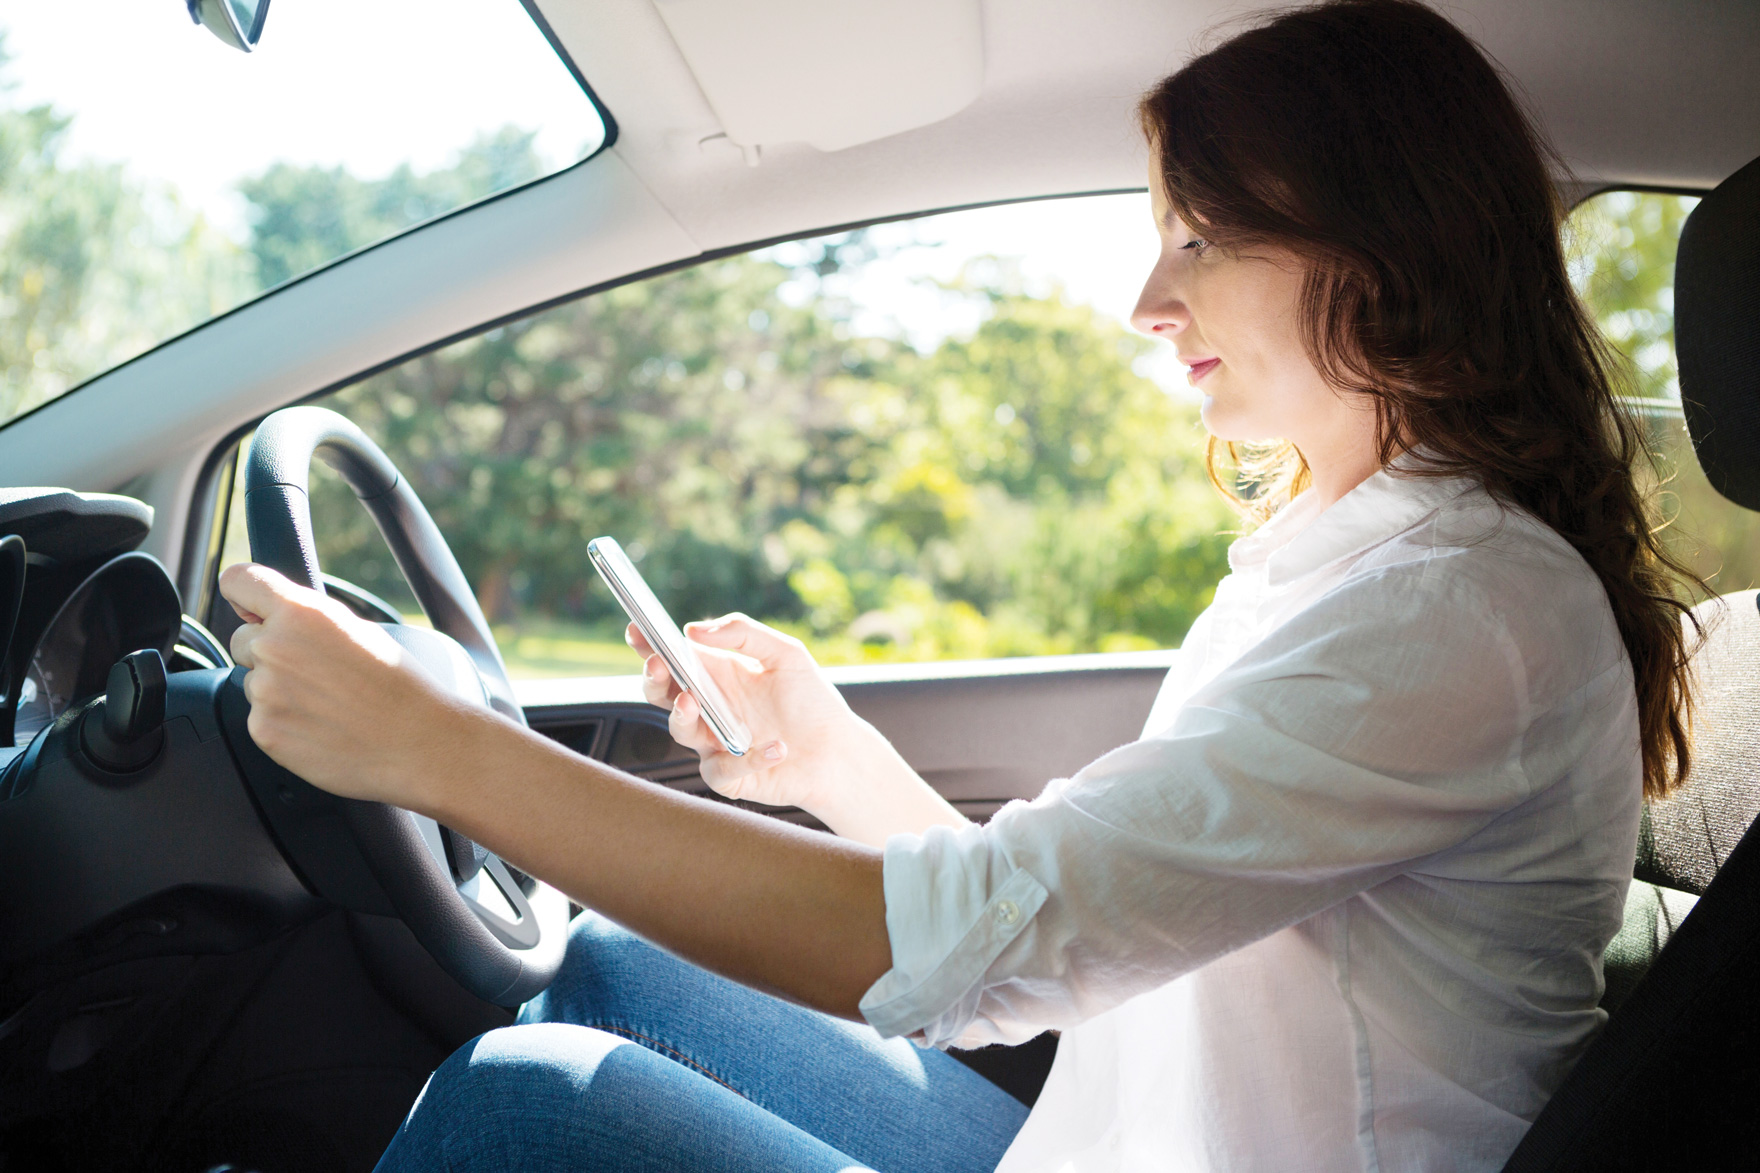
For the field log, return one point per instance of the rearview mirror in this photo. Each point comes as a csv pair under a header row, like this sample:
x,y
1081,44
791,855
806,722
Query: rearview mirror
x,y
237,22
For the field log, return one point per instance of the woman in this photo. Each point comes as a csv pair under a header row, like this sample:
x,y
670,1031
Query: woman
x,y
1342,907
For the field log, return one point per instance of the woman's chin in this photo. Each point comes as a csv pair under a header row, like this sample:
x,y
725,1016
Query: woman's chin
x,y
1227,423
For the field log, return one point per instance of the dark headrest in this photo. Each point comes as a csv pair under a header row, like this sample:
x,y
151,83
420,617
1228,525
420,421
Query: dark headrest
x,y
1717,334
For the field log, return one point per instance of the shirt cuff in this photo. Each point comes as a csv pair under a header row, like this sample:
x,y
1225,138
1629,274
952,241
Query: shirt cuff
x,y
953,904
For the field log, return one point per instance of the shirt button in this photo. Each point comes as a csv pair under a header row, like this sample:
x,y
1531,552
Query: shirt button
x,y
1007,912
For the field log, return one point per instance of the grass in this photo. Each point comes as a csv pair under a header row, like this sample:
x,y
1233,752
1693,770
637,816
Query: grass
x,y
545,649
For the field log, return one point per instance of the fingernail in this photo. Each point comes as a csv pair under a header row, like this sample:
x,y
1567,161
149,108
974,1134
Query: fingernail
x,y
774,752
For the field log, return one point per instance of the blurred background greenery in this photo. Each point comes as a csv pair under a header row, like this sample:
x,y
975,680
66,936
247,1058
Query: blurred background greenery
x,y
1621,246
1018,489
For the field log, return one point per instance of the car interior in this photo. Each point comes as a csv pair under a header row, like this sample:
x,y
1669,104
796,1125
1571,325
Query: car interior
x,y
206,963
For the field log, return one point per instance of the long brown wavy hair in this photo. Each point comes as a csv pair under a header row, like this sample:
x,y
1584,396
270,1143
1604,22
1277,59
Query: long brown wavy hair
x,y
1380,145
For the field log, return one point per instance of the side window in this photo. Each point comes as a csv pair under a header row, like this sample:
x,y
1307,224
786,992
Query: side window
x,y
1622,249
930,440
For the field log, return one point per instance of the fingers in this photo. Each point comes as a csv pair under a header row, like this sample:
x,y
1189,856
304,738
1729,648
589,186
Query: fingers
x,y
743,634
256,592
688,728
298,618
745,777
658,687
724,772
632,635
241,641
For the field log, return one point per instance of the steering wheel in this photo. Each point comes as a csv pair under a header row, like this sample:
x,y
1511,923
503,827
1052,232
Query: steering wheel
x,y
500,936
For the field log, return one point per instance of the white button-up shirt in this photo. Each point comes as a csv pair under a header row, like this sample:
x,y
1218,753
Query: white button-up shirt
x,y
1343,906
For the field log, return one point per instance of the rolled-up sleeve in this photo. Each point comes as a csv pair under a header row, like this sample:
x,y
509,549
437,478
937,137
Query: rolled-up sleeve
x,y
1373,729
958,903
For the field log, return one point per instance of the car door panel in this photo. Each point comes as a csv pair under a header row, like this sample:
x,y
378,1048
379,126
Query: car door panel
x,y
982,734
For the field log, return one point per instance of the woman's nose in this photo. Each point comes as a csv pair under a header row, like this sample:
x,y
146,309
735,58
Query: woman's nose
x,y
1160,310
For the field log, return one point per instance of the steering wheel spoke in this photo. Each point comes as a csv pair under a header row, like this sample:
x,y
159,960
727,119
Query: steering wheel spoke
x,y
485,884
520,931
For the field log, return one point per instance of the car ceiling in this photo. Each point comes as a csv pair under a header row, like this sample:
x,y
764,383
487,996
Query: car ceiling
x,y
1649,92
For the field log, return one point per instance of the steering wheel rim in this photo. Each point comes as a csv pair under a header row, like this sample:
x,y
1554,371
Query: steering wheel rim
x,y
500,960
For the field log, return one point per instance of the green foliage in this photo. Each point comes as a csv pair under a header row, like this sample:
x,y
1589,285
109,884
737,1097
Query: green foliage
x,y
92,265
684,415
1026,491
1621,247
1622,250
757,456
304,217
96,267
1018,491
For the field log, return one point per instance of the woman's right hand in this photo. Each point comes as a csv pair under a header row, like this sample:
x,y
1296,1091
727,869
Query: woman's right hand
x,y
809,749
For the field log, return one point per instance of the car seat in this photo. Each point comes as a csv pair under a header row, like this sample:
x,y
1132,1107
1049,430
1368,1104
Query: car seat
x,y
1674,1080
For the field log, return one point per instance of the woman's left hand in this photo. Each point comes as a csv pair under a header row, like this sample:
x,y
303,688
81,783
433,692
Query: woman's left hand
x,y
334,698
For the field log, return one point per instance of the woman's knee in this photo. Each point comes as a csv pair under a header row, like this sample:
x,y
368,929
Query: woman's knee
x,y
497,1097
554,1098
517,1064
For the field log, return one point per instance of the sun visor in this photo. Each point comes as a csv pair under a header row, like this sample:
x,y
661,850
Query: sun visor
x,y
830,73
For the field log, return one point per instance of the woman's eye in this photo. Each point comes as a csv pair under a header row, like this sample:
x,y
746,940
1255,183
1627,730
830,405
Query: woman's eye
x,y
1196,245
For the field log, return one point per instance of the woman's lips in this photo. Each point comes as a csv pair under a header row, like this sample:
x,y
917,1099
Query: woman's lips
x,y
1197,370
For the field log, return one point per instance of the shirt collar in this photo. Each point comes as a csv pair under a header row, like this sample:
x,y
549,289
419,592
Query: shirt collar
x,y
1300,539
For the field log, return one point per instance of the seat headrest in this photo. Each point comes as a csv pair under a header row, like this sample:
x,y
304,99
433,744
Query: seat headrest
x,y
1717,334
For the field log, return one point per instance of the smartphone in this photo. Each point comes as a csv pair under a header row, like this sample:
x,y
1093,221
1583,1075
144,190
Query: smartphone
x,y
663,635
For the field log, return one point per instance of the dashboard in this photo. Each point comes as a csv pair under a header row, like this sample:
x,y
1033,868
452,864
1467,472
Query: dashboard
x,y
130,785
74,598
128,603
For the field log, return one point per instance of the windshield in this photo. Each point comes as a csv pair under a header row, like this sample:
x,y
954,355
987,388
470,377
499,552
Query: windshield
x,y
151,177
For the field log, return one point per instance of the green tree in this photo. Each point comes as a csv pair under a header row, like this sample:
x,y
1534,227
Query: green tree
x,y
1019,491
94,268
1022,490
303,217
691,414
1031,475
1622,249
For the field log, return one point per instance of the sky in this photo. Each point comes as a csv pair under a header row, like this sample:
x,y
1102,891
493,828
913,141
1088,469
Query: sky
x,y
404,82
365,84
1096,249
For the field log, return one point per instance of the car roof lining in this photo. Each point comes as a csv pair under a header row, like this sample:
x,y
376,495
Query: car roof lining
x,y
1631,93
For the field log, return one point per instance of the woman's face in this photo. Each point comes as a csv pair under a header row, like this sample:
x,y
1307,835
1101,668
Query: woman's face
x,y
1234,320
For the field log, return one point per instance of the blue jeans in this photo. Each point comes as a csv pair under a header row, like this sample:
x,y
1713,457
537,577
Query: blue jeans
x,y
634,1060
